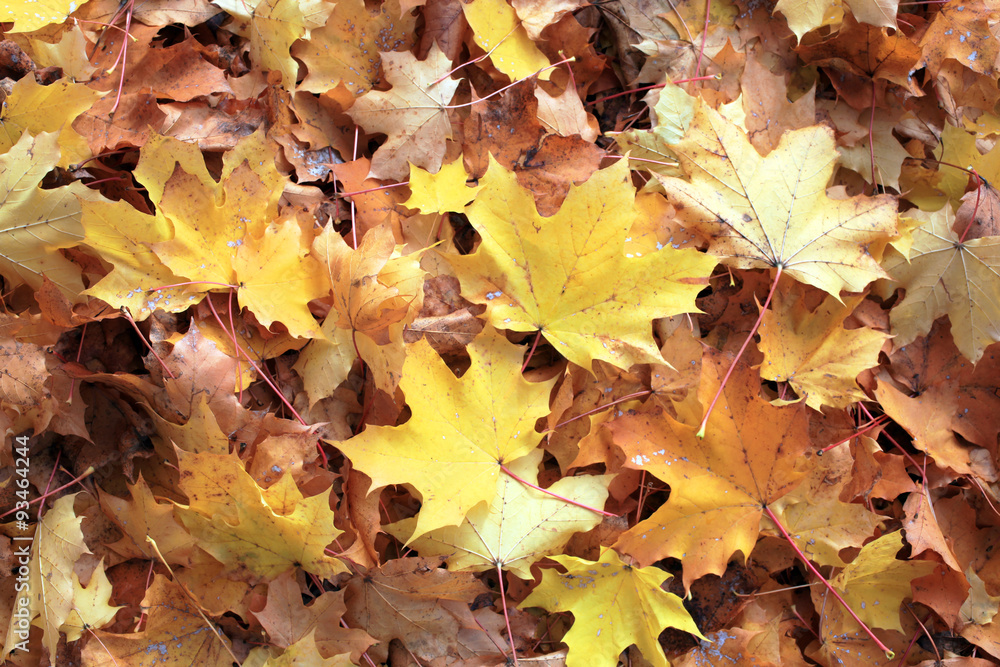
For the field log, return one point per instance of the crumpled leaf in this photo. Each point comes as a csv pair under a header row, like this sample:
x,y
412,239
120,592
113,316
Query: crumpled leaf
x,y
412,113
260,532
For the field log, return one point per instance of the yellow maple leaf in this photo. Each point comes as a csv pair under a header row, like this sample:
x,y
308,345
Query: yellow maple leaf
x,y
230,233
442,192
412,113
273,26
521,525
461,432
875,583
142,516
35,108
812,351
568,275
30,15
945,276
121,236
174,631
773,211
262,531
497,29
35,223
53,594
614,605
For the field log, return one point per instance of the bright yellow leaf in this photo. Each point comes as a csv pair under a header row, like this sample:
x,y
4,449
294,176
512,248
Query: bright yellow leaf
x,y
568,275
461,430
614,605
874,584
443,192
498,31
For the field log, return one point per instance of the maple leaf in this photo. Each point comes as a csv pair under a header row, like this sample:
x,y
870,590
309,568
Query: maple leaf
x,y
262,531
412,113
773,211
441,192
375,292
174,627
345,50
411,600
588,299
142,516
875,583
273,26
813,352
34,108
521,526
498,31
976,47
121,236
946,276
53,590
608,597
30,15
806,15
288,621
36,223
461,431
865,54
719,485
229,233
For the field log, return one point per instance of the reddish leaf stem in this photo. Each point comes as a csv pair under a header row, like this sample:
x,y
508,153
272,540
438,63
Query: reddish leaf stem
x,y
554,495
506,618
875,423
599,408
527,359
48,494
756,325
805,559
263,376
128,316
975,209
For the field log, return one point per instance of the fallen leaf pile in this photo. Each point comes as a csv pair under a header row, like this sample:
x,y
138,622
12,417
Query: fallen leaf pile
x,y
444,333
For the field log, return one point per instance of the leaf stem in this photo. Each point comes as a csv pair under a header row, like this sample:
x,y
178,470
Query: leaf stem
x,y
756,325
805,559
506,618
190,596
527,359
554,495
